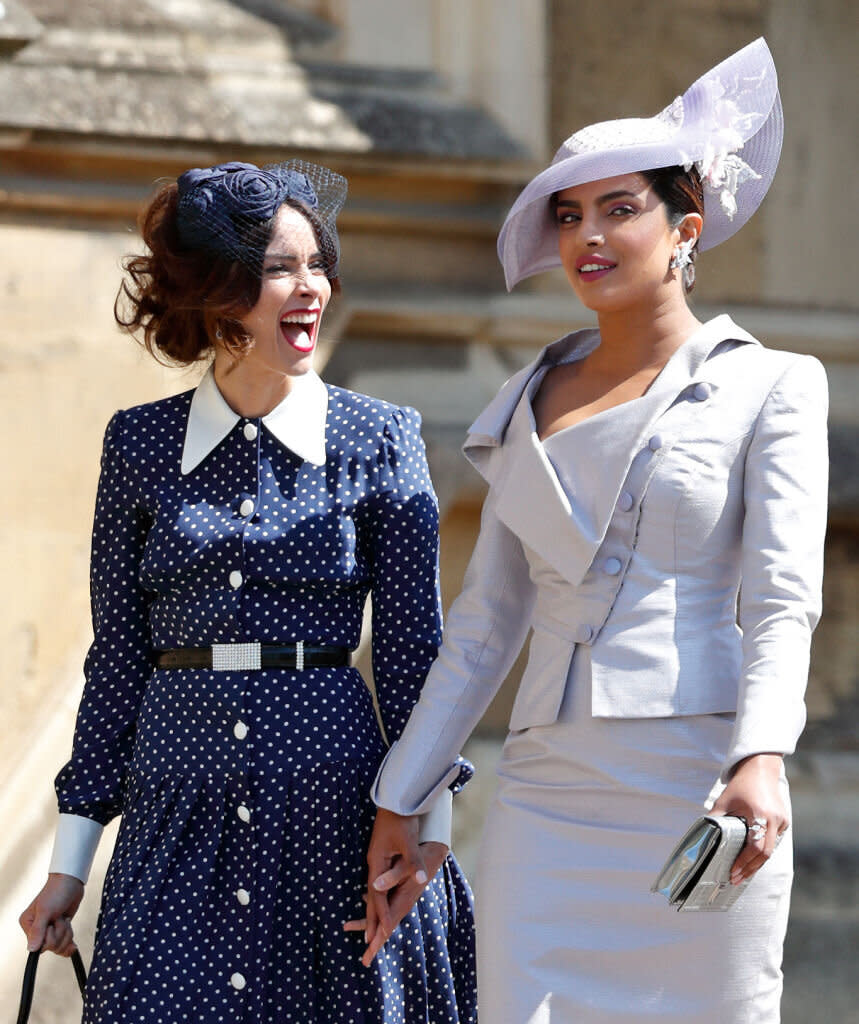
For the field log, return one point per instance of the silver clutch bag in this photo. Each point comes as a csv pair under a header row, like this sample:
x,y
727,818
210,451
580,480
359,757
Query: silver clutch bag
x,y
696,875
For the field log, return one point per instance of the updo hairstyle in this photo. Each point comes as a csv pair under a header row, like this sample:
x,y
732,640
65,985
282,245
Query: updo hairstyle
x,y
175,299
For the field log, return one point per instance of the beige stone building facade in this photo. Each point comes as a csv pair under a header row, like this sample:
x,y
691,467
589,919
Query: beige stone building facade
x,y
437,111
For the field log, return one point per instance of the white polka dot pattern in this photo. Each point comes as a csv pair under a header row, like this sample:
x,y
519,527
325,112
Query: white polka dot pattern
x,y
245,795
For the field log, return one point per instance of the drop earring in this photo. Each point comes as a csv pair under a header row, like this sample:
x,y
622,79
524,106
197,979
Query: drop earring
x,y
682,256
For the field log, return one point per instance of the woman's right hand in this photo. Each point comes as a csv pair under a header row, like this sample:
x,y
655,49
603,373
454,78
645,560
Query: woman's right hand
x,y
47,922
396,878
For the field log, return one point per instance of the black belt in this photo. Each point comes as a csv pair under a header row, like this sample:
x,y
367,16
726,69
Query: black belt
x,y
243,657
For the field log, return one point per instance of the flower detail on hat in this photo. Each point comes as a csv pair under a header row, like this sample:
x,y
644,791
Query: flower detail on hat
x,y
724,173
721,170
250,193
218,205
298,186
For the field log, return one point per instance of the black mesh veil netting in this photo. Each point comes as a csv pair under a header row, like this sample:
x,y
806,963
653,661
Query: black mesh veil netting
x,y
227,210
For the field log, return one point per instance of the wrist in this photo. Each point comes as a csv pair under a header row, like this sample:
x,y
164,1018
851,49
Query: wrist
x,y
394,818
768,764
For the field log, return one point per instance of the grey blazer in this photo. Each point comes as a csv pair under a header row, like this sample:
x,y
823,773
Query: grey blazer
x,y
625,540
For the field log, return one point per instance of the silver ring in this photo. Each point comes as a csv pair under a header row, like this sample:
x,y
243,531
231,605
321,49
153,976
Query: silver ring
x,y
757,831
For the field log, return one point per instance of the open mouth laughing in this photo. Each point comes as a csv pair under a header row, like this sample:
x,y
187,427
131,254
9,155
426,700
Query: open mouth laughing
x,y
299,328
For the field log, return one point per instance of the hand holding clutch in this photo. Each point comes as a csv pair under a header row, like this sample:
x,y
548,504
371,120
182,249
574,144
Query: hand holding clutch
x,y
697,874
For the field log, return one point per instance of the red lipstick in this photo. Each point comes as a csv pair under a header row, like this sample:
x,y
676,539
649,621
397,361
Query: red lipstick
x,y
592,267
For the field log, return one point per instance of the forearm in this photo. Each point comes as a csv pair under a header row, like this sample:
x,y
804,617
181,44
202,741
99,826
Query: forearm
x,y
484,632
785,495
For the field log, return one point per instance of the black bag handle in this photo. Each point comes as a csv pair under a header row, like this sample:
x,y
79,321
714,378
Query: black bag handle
x,y
30,982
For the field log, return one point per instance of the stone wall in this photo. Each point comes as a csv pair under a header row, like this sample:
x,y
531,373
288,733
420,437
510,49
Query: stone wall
x,y
628,58
423,320
64,370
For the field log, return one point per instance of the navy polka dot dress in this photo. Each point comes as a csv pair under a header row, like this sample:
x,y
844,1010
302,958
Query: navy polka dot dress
x,y
244,795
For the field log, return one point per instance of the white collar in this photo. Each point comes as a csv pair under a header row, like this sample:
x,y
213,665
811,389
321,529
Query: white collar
x,y
298,422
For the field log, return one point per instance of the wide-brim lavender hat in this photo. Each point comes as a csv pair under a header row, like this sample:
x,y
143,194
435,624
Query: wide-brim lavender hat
x,y
729,124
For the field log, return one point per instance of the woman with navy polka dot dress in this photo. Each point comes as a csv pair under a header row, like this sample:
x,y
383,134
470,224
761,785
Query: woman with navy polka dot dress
x,y
239,528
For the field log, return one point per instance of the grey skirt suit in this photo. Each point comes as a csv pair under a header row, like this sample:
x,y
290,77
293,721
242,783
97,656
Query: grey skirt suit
x,y
665,556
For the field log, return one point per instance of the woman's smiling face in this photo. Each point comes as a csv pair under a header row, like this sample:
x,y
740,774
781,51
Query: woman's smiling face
x,y
294,292
615,242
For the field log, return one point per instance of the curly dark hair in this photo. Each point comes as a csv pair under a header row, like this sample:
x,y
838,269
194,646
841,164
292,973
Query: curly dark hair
x,y
176,300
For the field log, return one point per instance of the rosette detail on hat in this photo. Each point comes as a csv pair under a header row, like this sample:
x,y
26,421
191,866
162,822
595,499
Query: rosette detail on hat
x,y
227,209
722,170
299,186
728,123
251,193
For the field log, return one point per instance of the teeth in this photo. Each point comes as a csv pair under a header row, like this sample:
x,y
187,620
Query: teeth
x,y
593,266
299,318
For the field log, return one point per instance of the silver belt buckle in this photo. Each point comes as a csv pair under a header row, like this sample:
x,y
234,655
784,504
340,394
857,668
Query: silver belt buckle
x,y
299,656
236,657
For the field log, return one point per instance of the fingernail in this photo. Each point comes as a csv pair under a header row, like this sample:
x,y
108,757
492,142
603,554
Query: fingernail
x,y
32,947
378,884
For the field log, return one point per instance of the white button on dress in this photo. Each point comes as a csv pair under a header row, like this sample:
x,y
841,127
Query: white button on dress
x,y
240,730
612,566
238,981
250,431
583,634
655,443
625,501
246,508
243,896
702,391
236,579
243,813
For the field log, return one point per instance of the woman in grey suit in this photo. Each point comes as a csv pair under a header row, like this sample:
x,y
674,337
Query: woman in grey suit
x,y
655,517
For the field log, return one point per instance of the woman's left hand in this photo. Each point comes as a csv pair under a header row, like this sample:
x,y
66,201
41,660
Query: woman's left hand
x,y
754,794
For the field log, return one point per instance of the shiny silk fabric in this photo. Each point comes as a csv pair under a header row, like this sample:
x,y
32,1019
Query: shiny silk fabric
x,y
666,557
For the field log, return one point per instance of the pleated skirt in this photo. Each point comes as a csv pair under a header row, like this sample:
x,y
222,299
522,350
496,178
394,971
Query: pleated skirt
x,y
568,932
239,859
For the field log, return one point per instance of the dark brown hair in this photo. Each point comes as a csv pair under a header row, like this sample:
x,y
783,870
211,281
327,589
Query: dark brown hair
x,y
681,192
180,298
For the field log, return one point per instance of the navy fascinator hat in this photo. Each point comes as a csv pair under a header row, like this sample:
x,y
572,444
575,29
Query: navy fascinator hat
x,y
226,210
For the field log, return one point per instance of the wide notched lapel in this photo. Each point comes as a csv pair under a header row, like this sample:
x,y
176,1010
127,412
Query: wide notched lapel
x,y
565,520
532,502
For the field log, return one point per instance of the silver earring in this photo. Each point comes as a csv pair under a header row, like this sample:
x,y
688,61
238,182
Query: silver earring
x,y
218,334
688,275
682,256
